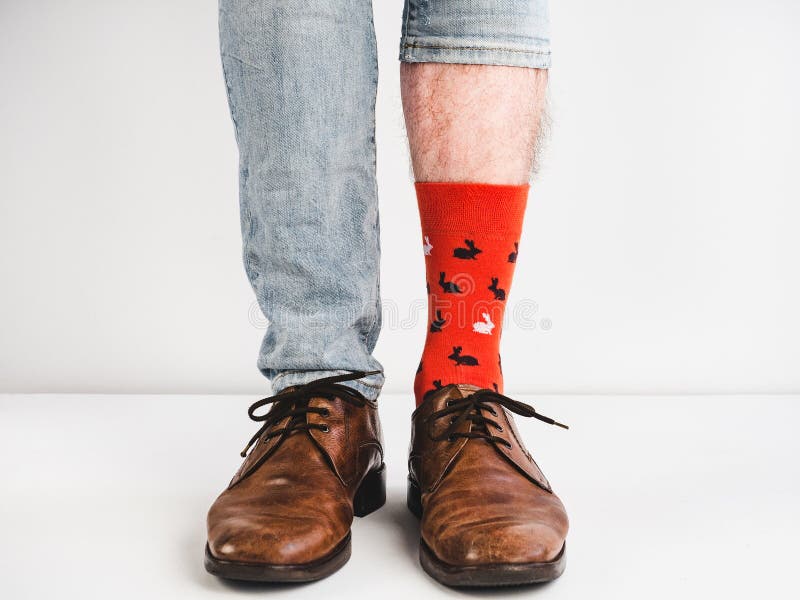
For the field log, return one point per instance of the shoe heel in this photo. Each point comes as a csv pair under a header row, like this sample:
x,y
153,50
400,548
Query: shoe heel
x,y
414,498
371,494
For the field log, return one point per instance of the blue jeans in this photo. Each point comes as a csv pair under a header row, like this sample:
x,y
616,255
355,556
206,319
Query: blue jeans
x,y
301,77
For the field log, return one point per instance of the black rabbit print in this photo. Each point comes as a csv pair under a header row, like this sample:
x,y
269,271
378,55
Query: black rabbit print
x,y
462,360
437,385
499,293
469,253
512,258
448,287
437,323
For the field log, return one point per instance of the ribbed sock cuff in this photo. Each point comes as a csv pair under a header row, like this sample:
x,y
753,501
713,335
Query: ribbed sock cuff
x,y
479,207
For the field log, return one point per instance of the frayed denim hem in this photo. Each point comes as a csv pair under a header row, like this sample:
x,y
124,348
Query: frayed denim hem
x,y
369,387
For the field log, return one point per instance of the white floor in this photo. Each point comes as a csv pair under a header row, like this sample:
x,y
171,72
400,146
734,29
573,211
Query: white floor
x,y
698,497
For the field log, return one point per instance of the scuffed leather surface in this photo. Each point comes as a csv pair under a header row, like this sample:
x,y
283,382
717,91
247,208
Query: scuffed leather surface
x,y
517,453
353,443
296,506
428,460
257,454
483,503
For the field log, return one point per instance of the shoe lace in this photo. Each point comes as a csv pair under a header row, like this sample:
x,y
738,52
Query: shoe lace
x,y
471,409
294,404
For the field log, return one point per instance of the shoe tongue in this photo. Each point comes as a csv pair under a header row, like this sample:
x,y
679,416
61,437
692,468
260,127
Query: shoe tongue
x,y
454,391
466,389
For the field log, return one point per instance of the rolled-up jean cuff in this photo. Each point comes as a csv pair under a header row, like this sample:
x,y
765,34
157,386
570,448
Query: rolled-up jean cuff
x,y
417,50
369,387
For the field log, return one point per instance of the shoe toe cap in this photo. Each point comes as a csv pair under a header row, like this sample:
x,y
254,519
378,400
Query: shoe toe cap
x,y
493,543
271,543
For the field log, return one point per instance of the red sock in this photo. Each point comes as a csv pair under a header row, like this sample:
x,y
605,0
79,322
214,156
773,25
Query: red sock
x,y
470,234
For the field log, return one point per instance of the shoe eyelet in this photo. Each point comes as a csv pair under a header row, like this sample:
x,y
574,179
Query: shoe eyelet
x,y
325,412
449,403
500,428
324,429
491,410
451,438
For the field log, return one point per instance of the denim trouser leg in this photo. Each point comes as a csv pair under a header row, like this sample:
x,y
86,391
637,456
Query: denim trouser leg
x,y
480,32
301,77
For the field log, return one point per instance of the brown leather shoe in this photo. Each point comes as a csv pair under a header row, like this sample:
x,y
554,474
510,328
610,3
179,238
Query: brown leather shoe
x,y
316,461
489,516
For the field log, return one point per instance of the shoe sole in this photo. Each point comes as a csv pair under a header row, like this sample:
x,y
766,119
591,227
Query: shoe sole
x,y
486,575
267,573
370,496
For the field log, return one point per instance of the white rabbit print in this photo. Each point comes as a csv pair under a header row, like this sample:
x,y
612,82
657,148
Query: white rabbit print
x,y
427,247
484,326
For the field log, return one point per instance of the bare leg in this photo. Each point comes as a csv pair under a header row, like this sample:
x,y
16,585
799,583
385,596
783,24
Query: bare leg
x,y
472,122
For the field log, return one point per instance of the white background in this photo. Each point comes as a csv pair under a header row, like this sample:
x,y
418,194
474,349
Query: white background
x,y
661,241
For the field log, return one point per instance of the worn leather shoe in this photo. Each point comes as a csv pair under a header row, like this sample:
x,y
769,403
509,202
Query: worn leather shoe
x,y
488,515
316,462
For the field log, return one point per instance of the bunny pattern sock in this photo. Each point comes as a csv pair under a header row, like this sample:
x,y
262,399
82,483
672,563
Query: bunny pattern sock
x,y
470,235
